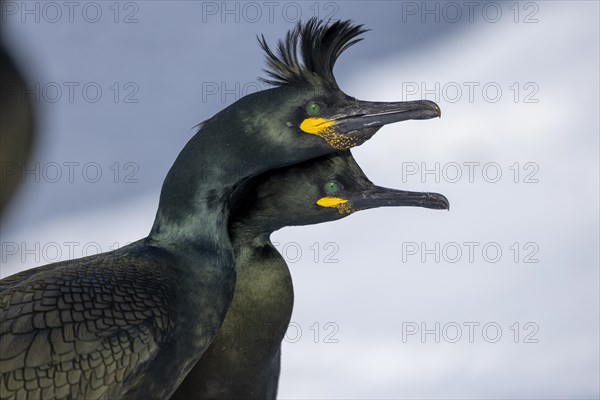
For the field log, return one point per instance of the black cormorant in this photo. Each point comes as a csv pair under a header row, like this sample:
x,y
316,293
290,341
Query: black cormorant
x,y
243,360
131,323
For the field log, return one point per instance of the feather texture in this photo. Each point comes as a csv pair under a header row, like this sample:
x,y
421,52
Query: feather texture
x,y
309,52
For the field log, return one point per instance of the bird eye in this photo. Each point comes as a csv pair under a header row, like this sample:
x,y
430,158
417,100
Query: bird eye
x,y
331,187
313,109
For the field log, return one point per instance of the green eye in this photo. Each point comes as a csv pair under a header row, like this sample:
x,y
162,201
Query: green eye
x,y
331,187
313,109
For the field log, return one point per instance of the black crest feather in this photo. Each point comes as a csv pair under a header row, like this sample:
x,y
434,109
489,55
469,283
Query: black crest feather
x,y
309,51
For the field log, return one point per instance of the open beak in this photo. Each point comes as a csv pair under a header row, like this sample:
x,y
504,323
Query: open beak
x,y
369,114
384,197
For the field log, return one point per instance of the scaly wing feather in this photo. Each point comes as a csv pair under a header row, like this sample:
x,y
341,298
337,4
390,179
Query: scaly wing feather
x,y
82,328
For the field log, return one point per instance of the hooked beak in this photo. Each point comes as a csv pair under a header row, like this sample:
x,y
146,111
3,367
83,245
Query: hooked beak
x,y
369,114
384,197
358,122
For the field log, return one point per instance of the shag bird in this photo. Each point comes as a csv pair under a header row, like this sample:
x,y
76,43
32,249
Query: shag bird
x,y
131,323
243,361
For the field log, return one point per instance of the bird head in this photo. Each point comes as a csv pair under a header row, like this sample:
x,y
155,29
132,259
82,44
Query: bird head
x,y
306,99
305,114
324,189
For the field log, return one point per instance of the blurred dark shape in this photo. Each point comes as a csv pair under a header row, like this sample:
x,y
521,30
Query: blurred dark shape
x,y
16,126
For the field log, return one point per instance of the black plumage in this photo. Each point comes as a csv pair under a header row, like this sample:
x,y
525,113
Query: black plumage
x,y
244,359
299,60
131,323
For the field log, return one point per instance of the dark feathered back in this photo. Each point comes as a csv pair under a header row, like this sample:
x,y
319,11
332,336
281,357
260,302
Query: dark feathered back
x,y
320,44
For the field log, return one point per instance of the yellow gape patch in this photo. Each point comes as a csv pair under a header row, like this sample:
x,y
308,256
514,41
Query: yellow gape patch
x,y
324,128
316,126
343,206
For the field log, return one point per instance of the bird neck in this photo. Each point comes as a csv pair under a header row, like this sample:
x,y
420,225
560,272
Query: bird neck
x,y
194,200
249,231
